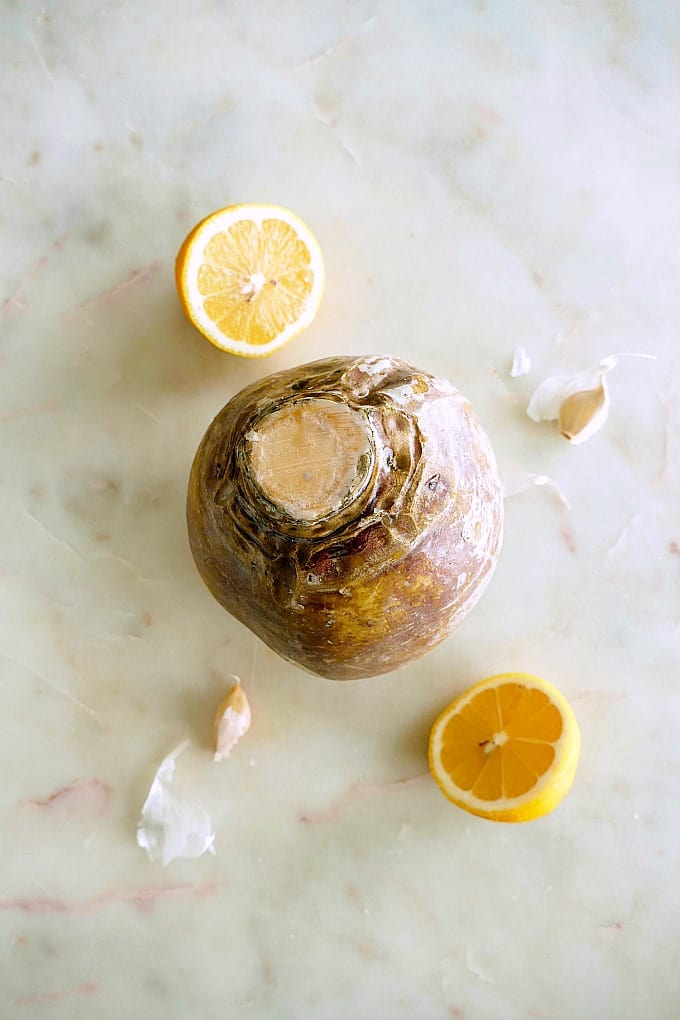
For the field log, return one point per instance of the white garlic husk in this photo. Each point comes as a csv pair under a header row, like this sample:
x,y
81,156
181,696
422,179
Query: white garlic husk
x,y
521,363
171,826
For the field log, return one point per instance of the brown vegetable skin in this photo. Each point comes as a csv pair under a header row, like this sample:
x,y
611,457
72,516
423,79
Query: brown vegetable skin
x,y
373,585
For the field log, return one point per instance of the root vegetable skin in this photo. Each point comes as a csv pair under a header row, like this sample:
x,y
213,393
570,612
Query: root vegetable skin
x,y
390,526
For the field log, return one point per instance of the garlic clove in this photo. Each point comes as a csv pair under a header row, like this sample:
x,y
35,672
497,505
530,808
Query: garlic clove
x,y
578,402
583,413
549,396
232,721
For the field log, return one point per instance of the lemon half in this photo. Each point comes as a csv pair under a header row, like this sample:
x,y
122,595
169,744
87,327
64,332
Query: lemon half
x,y
506,749
250,277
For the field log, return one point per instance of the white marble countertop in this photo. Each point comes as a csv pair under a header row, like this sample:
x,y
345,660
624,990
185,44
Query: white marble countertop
x,y
480,176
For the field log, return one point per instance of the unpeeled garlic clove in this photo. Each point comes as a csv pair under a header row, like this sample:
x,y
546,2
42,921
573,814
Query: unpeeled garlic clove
x,y
232,721
578,402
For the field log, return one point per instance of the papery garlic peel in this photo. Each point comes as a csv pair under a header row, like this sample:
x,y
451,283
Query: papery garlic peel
x,y
171,826
232,721
521,363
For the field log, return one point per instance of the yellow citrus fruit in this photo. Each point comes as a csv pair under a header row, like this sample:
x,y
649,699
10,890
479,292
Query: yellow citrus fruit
x,y
250,277
506,749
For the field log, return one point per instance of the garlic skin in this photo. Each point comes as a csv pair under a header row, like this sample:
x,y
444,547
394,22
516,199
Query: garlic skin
x,y
332,508
578,402
523,481
232,721
521,363
171,826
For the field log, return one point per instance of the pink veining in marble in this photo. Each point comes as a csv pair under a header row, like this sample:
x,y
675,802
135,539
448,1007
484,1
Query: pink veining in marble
x,y
84,796
143,898
27,412
138,276
356,791
87,988
16,302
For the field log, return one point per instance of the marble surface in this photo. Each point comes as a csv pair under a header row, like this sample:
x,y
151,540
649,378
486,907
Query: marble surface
x,y
480,176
